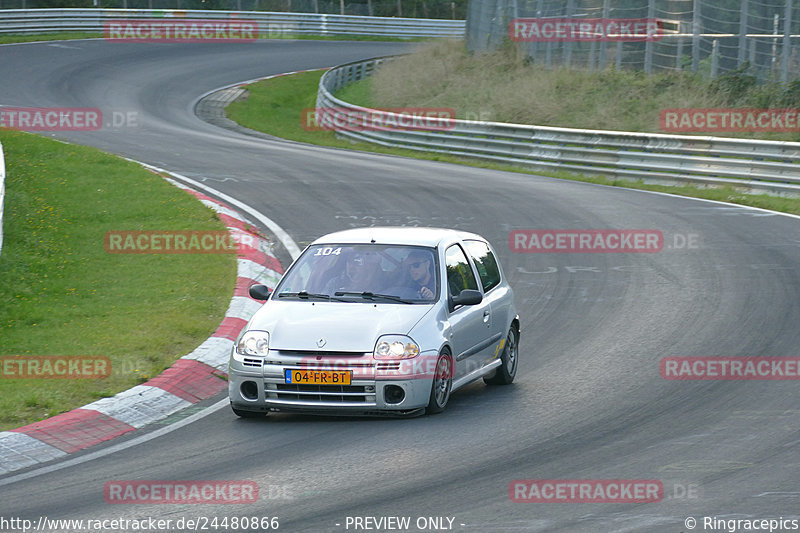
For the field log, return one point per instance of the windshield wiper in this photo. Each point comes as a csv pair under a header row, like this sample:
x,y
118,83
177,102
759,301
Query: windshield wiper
x,y
372,295
304,295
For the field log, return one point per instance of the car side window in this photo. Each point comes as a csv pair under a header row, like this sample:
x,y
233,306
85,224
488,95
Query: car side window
x,y
459,273
485,263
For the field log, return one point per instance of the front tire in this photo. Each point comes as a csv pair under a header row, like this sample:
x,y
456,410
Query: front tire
x,y
504,375
442,384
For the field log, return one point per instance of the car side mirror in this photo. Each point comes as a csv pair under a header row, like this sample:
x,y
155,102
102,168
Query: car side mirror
x,y
259,292
466,297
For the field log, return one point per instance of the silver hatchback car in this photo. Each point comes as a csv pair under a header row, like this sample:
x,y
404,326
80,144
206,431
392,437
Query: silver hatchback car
x,y
377,321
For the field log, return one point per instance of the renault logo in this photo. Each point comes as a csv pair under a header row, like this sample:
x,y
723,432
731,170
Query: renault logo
x,y
321,342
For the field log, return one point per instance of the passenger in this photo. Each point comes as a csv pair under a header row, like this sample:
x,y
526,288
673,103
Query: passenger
x,y
420,275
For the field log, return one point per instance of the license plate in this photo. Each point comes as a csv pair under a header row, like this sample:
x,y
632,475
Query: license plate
x,y
319,377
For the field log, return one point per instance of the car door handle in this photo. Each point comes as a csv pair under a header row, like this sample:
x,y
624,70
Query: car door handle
x,y
486,316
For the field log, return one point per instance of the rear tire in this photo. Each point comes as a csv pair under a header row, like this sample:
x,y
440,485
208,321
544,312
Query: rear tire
x,y
504,374
442,384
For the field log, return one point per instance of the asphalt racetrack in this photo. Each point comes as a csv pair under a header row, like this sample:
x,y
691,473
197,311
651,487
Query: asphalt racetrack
x,y
589,402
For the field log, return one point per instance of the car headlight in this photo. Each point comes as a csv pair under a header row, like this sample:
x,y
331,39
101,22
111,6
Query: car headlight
x,y
254,343
395,347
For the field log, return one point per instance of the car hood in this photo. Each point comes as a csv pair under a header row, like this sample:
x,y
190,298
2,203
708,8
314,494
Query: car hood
x,y
345,326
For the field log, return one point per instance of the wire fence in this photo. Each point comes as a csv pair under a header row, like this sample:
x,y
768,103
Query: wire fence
x,y
707,36
435,9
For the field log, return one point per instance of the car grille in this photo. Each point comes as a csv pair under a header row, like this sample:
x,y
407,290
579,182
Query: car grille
x,y
359,363
320,393
308,359
331,365
317,353
360,368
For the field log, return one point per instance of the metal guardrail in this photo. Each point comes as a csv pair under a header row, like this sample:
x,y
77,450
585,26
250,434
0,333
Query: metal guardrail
x,y
2,192
761,166
270,24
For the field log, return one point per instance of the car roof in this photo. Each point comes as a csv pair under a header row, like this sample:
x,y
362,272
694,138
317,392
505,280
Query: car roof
x,y
397,235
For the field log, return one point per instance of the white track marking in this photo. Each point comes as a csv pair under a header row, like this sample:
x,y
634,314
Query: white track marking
x,y
279,232
116,447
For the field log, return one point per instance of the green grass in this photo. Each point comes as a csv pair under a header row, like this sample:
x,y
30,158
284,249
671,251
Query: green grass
x,y
62,294
59,36
275,106
360,92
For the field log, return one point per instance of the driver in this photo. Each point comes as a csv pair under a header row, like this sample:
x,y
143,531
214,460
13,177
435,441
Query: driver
x,y
353,278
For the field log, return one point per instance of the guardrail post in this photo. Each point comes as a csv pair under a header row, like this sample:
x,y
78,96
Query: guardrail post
x,y
775,25
696,36
604,45
484,30
714,58
567,47
548,54
742,32
786,51
473,23
533,47
499,26
648,45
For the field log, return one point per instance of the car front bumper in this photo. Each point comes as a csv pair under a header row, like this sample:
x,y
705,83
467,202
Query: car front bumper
x,y
376,386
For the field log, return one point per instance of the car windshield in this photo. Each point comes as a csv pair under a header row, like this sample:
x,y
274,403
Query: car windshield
x,y
363,273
